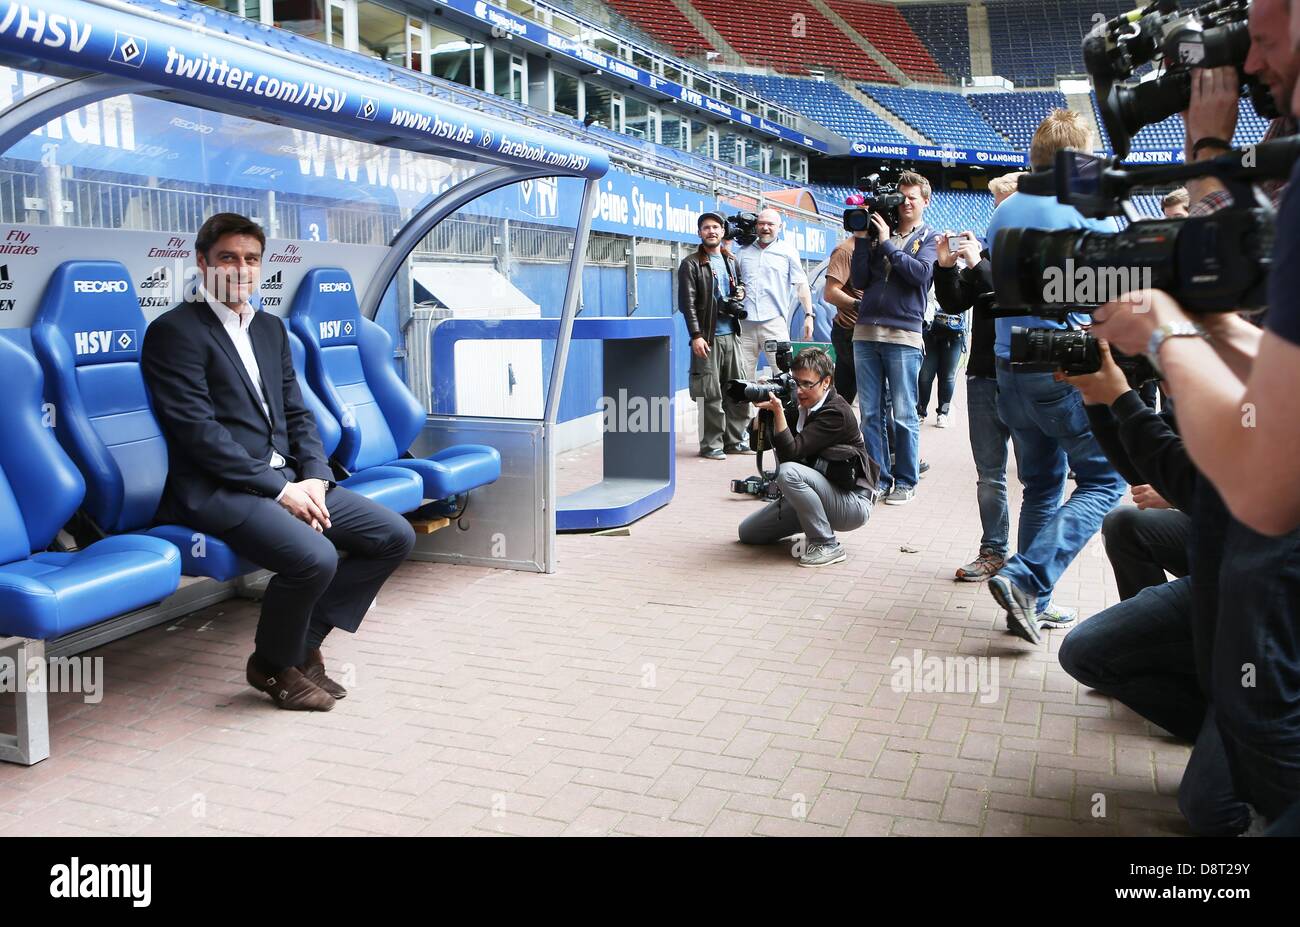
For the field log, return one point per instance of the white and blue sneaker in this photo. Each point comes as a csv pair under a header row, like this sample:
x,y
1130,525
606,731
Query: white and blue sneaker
x,y
1019,606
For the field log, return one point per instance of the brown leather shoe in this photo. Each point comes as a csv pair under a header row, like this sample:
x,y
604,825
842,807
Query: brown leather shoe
x,y
289,688
314,669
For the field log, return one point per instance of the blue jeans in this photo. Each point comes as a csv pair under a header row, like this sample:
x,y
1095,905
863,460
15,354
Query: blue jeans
x,y
942,354
988,445
1050,433
897,365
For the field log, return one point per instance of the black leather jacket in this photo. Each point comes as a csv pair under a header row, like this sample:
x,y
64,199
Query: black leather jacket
x,y
695,291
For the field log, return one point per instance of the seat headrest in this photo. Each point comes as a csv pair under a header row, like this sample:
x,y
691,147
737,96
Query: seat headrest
x,y
93,306
327,301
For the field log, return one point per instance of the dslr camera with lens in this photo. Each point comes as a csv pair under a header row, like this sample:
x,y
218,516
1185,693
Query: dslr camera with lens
x,y
1073,353
875,197
1211,35
781,385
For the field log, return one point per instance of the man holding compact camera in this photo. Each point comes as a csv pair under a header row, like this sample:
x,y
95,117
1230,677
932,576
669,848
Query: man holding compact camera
x,y
709,297
826,479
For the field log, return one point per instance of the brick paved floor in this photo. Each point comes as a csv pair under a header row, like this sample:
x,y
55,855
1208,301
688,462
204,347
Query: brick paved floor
x,y
665,682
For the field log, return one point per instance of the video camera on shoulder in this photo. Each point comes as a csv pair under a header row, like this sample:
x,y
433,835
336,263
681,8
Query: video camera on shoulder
x,y
1211,35
874,197
742,228
1214,263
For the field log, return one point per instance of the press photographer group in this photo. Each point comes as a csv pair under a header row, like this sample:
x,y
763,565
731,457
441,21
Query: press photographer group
x,y
1105,348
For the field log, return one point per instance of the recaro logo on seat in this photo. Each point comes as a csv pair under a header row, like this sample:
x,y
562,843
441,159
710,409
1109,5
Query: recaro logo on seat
x,y
335,329
344,287
100,286
104,342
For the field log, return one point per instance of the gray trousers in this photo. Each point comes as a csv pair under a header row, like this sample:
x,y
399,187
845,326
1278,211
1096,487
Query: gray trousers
x,y
722,422
808,504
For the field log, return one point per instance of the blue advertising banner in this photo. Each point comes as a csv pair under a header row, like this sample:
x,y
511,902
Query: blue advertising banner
x,y
185,58
986,157
503,24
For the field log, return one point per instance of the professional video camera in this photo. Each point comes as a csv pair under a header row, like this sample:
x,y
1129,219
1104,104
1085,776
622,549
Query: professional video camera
x,y
1074,353
763,484
741,228
875,197
1214,263
1211,35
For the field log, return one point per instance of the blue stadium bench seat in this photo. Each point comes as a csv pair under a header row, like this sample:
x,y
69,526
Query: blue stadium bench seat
x,y
397,488
87,337
350,367
47,595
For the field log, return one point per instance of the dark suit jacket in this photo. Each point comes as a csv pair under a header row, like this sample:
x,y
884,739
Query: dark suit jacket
x,y
219,440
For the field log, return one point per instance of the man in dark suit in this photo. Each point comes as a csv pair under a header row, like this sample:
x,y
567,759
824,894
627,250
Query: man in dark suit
x,y
246,465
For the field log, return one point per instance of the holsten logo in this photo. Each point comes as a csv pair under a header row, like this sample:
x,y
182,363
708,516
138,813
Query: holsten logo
x,y
344,287
103,880
104,342
100,286
335,329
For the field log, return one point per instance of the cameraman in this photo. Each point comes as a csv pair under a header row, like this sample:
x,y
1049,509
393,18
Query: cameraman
x,y
827,481
1049,427
706,281
770,267
893,269
1143,650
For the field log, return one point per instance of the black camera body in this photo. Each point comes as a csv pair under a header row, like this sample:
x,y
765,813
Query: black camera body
x,y
780,385
758,485
734,305
875,197
1211,35
742,228
1074,353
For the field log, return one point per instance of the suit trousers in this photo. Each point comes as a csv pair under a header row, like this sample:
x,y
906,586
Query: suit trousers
x,y
313,585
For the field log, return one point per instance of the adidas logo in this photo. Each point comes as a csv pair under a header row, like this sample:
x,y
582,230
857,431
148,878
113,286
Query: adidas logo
x,y
274,282
155,281
5,282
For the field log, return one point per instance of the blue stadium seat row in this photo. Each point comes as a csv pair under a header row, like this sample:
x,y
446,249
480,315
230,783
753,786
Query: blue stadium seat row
x,y
940,116
824,103
107,456
1017,115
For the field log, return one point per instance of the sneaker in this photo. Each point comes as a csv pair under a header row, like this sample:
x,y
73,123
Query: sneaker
x,y
1057,616
1019,606
715,454
816,555
941,420
901,495
738,449
922,469
981,568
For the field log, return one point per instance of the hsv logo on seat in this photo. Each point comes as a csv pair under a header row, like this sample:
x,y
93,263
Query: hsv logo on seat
x,y
335,329
104,342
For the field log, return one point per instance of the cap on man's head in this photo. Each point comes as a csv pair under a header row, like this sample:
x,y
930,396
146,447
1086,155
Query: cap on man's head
x,y
715,216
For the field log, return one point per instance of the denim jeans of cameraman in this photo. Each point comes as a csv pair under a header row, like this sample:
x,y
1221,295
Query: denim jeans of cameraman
x,y
988,445
810,504
1255,668
942,354
1140,652
1051,435
896,366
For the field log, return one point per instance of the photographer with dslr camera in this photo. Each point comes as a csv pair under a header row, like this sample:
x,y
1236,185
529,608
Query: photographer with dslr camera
x,y
826,479
1049,427
708,297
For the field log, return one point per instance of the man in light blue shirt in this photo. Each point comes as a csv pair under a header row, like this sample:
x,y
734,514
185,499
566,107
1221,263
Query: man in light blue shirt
x,y
770,269
1048,425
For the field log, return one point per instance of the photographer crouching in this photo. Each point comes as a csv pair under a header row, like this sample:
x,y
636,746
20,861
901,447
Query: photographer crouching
x,y
826,480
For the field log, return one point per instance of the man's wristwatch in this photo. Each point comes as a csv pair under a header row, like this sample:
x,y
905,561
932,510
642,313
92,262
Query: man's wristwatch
x,y
1171,330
